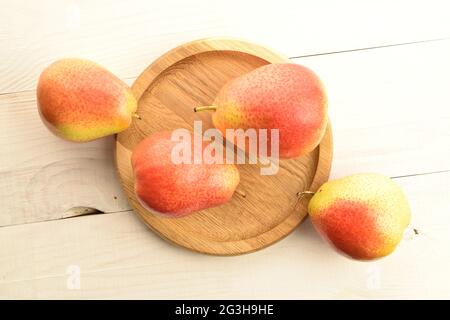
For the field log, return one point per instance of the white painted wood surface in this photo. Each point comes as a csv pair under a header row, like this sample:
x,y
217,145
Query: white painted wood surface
x,y
390,110
119,258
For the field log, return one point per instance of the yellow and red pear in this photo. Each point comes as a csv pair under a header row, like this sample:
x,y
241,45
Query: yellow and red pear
x,y
178,189
80,101
284,96
363,215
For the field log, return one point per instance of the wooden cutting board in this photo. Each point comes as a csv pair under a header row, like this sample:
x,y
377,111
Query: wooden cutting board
x,y
266,208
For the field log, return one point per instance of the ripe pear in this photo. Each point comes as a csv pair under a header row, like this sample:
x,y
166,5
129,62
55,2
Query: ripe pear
x,y
363,215
283,96
177,189
79,100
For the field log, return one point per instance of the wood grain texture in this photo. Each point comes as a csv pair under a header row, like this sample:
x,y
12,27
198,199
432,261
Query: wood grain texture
x,y
167,91
126,36
43,177
119,258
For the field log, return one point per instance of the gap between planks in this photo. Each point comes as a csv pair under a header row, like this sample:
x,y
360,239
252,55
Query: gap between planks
x,y
130,80
371,48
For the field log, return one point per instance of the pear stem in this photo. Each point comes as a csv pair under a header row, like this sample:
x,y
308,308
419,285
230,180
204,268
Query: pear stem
x,y
205,108
135,115
301,194
241,193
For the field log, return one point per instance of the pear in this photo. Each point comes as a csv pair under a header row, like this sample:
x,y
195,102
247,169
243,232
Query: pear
x,y
78,100
363,215
284,96
176,189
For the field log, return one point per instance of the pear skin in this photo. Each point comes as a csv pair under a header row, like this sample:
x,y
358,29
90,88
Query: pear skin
x,y
79,100
285,96
178,189
363,215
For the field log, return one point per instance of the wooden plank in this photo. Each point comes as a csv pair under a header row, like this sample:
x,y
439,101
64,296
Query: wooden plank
x,y
390,110
119,258
126,36
42,176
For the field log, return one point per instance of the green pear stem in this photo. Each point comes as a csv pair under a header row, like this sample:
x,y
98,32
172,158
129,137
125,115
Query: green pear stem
x,y
205,108
301,194
135,115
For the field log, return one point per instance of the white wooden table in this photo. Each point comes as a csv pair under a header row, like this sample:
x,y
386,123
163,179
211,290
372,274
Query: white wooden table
x,y
386,65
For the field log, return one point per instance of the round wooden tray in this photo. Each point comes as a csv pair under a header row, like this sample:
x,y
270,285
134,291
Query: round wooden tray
x,y
167,91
